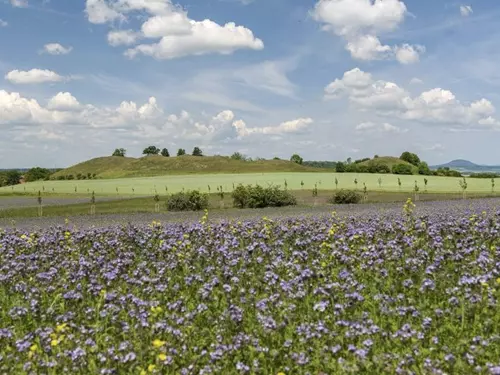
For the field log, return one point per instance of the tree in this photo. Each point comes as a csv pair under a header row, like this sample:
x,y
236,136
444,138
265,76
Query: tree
x,y
12,178
410,158
402,169
36,174
349,160
165,153
296,159
424,169
238,156
197,151
340,167
119,152
151,150
181,152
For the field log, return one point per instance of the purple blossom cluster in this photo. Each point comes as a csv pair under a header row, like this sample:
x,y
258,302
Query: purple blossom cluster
x,y
413,293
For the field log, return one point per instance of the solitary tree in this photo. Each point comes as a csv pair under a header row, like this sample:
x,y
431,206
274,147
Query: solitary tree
x,y
356,183
336,183
349,160
151,150
197,151
463,186
399,183
410,158
380,182
119,152
181,152
165,153
425,183
416,189
296,159
492,185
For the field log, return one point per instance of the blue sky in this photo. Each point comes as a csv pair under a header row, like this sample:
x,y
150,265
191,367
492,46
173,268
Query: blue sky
x,y
329,79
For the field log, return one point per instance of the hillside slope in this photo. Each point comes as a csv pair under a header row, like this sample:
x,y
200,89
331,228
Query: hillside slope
x,y
120,167
390,161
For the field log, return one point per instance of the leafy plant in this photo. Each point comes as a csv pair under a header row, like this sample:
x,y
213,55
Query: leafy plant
x,y
345,197
187,201
259,197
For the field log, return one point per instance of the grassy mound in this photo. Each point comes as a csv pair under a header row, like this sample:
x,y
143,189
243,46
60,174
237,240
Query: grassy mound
x,y
120,167
390,161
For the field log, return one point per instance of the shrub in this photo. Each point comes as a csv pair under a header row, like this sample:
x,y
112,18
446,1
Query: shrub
x,y
484,175
259,197
345,197
187,201
402,169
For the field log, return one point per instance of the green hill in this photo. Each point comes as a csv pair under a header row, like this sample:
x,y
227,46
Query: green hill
x,y
149,166
390,161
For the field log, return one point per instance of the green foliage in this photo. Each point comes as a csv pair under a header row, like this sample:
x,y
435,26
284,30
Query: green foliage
x,y
402,169
340,167
446,171
489,175
197,152
11,178
410,158
239,156
151,150
320,164
181,152
344,196
423,169
191,200
296,159
258,197
36,174
361,160
119,152
165,153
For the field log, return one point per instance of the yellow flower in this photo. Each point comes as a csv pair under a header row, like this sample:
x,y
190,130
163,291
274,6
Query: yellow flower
x,y
162,356
280,373
151,368
156,310
33,348
143,372
54,343
157,343
484,284
498,280
61,327
23,237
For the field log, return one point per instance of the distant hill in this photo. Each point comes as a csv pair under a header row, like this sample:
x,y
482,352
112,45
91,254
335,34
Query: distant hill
x,y
462,165
149,166
390,161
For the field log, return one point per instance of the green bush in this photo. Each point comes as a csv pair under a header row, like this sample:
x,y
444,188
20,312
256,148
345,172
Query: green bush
x,y
402,169
259,197
187,201
345,197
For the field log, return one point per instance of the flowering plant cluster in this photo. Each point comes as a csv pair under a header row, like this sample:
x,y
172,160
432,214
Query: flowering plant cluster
x,y
372,294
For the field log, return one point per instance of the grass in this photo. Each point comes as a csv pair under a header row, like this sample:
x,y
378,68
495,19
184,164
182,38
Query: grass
x,y
147,205
390,161
123,167
175,183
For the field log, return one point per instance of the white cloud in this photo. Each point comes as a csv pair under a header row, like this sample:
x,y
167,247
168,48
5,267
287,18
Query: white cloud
x,y
3,23
64,101
465,10
361,22
178,35
205,37
380,128
123,37
288,127
19,3
408,54
388,99
33,76
56,49
416,81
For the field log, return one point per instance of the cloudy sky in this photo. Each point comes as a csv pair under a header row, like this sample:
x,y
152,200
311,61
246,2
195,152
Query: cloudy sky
x,y
329,79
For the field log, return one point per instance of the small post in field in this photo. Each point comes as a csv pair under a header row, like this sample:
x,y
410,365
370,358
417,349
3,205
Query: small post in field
x,y
92,203
156,198
40,207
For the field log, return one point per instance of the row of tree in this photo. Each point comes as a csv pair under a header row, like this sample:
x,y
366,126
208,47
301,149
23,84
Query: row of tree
x,y
153,150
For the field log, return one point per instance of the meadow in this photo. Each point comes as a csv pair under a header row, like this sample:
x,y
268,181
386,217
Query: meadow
x,y
406,292
145,186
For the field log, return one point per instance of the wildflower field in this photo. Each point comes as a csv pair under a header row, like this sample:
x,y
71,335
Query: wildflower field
x,y
415,292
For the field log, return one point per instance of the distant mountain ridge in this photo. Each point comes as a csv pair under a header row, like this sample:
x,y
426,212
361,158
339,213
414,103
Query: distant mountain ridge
x,y
463,165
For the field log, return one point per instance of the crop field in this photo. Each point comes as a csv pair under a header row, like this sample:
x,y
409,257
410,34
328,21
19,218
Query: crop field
x,y
325,181
406,292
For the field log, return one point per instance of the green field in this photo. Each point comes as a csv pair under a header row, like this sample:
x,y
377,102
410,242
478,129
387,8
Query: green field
x,y
326,181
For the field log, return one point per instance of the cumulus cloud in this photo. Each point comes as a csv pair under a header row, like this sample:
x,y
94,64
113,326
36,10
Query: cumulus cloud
x,y
177,35
438,105
465,10
361,22
33,76
380,128
123,37
19,3
147,121
56,49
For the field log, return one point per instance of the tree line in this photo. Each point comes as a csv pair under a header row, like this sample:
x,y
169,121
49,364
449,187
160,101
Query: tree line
x,y
153,150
